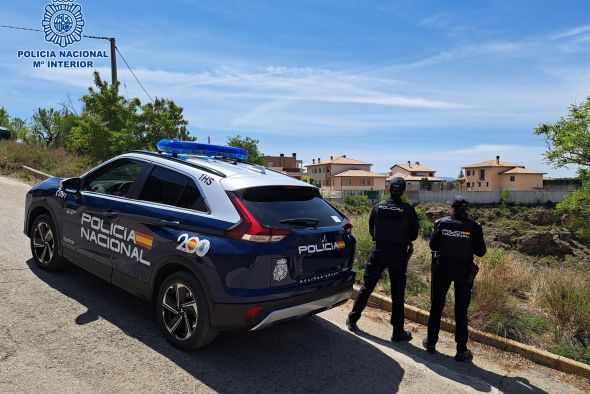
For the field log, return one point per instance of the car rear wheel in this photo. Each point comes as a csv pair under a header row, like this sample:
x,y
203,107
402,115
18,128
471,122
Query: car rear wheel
x,y
183,312
44,244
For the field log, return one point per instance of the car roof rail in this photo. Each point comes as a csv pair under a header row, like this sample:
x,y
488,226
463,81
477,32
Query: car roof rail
x,y
176,159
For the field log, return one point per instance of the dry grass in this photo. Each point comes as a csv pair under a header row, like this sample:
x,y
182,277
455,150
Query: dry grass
x,y
566,297
57,162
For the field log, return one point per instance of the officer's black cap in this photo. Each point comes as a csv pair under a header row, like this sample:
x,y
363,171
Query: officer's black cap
x,y
397,184
459,201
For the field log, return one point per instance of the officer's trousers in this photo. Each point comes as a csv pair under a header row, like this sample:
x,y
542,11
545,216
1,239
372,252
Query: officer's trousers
x,y
442,277
393,257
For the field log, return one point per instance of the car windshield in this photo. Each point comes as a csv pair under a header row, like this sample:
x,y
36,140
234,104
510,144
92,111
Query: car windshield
x,y
288,206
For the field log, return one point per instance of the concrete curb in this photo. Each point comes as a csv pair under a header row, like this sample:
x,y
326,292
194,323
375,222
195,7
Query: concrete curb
x,y
538,356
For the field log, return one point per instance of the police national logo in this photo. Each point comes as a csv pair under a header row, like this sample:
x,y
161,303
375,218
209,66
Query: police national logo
x,y
63,22
281,270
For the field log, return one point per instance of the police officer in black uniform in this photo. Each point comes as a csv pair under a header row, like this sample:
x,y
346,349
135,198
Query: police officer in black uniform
x,y
393,225
454,241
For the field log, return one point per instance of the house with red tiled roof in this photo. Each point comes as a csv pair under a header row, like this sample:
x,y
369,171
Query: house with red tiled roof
x,y
343,173
417,176
497,175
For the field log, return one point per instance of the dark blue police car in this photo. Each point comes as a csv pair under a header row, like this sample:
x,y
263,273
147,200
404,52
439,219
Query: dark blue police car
x,y
216,243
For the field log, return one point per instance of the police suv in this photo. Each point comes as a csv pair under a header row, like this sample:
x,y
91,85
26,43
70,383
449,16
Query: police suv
x,y
216,243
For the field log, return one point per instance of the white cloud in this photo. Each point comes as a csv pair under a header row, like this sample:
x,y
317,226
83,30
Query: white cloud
x,y
571,32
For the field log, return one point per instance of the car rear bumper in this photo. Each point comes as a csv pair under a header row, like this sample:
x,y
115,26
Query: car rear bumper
x,y
303,310
232,317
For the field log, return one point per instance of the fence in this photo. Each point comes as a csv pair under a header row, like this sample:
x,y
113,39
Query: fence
x,y
523,197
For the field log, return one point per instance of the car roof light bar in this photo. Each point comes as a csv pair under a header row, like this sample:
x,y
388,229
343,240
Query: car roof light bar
x,y
176,147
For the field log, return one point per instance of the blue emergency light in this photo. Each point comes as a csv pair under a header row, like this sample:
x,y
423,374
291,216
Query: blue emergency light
x,y
176,147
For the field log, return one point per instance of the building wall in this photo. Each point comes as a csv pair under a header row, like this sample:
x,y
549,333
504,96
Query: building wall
x,y
522,182
355,183
492,181
323,174
524,197
339,168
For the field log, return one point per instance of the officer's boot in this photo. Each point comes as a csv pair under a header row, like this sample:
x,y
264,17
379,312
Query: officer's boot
x,y
400,336
464,355
430,348
351,325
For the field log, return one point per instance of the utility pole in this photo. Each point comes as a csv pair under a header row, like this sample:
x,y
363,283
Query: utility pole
x,y
113,60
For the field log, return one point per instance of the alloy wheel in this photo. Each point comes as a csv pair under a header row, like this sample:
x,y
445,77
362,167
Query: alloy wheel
x,y
43,242
179,311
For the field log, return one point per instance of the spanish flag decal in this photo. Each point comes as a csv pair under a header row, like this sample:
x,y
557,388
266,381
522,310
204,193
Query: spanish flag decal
x,y
144,240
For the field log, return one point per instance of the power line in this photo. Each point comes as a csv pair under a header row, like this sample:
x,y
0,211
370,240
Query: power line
x,y
96,38
41,31
20,28
132,73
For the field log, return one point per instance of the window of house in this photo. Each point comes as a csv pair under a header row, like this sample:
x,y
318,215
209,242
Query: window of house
x,y
362,181
468,172
468,184
478,184
487,184
482,174
512,178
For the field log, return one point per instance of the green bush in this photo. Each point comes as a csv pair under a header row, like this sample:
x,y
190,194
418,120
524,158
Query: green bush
x,y
523,327
364,242
576,208
575,351
357,204
425,226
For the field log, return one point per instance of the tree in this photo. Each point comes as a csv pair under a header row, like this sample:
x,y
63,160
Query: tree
x,y
111,124
249,145
51,125
19,130
4,118
568,140
45,125
161,119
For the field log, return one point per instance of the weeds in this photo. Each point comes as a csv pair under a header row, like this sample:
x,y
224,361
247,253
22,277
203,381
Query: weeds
x,y
56,161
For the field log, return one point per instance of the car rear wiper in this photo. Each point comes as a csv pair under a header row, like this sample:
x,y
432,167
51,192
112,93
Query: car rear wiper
x,y
303,222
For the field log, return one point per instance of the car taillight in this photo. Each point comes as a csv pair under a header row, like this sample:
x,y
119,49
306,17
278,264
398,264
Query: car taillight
x,y
348,227
250,229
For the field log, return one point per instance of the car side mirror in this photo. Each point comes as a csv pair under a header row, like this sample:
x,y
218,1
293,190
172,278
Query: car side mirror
x,y
71,185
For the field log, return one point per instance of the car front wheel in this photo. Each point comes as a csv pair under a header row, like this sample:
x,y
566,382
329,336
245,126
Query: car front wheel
x,y
183,313
44,244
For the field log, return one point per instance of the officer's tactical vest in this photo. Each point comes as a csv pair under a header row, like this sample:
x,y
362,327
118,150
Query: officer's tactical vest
x,y
391,223
456,239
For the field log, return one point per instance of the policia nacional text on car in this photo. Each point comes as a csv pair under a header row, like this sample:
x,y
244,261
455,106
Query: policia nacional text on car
x,y
393,225
454,241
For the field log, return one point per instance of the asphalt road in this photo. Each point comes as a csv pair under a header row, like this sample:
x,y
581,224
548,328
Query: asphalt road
x,y
70,332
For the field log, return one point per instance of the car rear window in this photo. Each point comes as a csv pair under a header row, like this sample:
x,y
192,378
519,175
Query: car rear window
x,y
273,204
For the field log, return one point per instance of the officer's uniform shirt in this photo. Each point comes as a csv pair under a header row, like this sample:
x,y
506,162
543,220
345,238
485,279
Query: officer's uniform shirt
x,y
457,240
393,222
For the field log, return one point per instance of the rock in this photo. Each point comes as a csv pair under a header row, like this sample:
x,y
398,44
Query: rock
x,y
537,243
540,216
505,236
435,212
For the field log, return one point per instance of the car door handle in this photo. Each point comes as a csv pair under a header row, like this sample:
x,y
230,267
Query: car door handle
x,y
170,223
111,214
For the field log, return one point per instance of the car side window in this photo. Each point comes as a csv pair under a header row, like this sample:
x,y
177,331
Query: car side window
x,y
115,178
192,198
168,187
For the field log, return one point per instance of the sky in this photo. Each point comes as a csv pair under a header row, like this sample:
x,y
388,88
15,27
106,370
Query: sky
x,y
384,81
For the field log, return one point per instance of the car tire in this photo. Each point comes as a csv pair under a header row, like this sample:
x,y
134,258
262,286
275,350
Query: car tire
x,y
182,312
45,244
